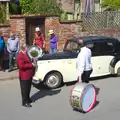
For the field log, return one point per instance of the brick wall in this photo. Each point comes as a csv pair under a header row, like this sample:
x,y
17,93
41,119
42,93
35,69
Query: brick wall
x,y
103,32
64,29
5,30
17,24
67,30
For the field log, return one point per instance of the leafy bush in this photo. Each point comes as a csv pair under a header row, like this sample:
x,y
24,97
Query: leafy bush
x,y
40,6
112,4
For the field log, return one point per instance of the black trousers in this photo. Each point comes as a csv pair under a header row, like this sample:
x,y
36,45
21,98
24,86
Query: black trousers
x,y
86,75
1,59
25,86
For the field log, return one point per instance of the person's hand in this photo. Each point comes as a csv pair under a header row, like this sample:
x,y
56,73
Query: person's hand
x,y
79,79
44,46
33,64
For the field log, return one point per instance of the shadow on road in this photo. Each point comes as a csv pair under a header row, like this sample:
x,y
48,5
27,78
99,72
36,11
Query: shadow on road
x,y
44,92
101,77
97,90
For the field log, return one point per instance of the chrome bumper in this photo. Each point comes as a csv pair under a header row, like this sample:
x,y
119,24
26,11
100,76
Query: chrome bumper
x,y
35,80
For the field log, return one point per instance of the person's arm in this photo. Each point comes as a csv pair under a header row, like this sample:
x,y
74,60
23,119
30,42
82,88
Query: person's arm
x,y
8,43
23,65
80,65
18,46
43,39
4,46
34,39
57,41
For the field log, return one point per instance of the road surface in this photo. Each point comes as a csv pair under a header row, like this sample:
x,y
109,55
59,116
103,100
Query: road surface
x,y
54,104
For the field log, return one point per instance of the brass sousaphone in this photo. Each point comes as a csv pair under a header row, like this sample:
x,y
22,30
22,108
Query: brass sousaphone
x,y
35,52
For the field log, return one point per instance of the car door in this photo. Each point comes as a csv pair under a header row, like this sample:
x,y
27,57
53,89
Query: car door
x,y
70,71
102,54
95,58
106,54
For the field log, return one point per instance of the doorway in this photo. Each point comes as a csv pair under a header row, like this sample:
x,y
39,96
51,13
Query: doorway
x,y
31,24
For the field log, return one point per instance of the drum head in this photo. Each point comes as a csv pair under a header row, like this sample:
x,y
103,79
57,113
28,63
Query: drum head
x,y
88,98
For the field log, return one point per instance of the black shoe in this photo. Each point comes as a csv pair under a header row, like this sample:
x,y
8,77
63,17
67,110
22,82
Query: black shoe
x,y
86,81
30,101
27,105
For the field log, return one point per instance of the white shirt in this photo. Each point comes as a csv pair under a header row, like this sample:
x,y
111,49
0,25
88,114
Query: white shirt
x,y
84,61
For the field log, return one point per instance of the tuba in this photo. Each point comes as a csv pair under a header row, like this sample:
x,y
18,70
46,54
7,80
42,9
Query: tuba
x,y
35,52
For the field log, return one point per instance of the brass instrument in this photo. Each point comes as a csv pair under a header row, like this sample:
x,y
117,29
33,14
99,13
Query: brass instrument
x,y
35,52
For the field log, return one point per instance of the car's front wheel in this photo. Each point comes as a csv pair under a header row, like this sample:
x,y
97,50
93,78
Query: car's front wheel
x,y
53,80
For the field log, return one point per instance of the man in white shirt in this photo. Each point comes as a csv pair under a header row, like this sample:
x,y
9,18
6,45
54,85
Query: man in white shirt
x,y
84,66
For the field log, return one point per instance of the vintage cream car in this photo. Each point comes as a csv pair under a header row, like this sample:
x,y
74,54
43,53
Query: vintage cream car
x,y
53,69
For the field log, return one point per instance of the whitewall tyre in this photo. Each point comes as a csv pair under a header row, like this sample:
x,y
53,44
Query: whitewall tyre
x,y
53,80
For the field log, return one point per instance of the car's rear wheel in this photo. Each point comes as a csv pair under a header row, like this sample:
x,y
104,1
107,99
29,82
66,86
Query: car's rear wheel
x,y
53,80
118,72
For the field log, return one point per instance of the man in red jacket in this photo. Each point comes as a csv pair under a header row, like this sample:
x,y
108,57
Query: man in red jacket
x,y
26,72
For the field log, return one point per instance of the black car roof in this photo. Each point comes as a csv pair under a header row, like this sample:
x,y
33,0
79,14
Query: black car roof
x,y
94,38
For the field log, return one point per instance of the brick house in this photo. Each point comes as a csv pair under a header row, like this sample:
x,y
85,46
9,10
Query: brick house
x,y
74,7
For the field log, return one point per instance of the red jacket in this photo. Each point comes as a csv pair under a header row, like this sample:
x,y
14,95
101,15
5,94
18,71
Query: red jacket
x,y
39,40
26,69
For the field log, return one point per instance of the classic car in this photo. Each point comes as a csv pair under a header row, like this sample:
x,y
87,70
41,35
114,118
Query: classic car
x,y
53,69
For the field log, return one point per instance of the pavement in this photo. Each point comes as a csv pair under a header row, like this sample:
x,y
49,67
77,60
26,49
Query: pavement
x,y
8,75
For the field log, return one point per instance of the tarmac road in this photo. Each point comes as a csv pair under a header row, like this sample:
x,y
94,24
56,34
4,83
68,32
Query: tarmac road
x,y
54,104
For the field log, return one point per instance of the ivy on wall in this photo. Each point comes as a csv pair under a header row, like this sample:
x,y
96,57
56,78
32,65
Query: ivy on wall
x,y
2,13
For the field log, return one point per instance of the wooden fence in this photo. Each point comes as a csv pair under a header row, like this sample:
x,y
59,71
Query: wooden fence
x,y
101,20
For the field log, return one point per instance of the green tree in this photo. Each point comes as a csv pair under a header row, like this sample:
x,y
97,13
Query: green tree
x,y
25,5
14,7
112,4
40,6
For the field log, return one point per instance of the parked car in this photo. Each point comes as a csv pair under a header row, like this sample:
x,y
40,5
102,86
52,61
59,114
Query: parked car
x,y
53,69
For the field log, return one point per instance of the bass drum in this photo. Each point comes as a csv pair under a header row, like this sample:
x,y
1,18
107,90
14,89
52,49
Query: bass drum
x,y
83,97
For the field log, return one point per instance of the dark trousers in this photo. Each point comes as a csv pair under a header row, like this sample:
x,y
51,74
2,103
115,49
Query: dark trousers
x,y
86,75
1,59
25,90
11,55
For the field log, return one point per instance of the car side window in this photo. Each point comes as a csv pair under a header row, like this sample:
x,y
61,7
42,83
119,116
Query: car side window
x,y
93,47
72,46
110,47
106,48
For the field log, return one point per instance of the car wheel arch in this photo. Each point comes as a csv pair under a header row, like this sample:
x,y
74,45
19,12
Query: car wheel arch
x,y
53,72
114,63
117,66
